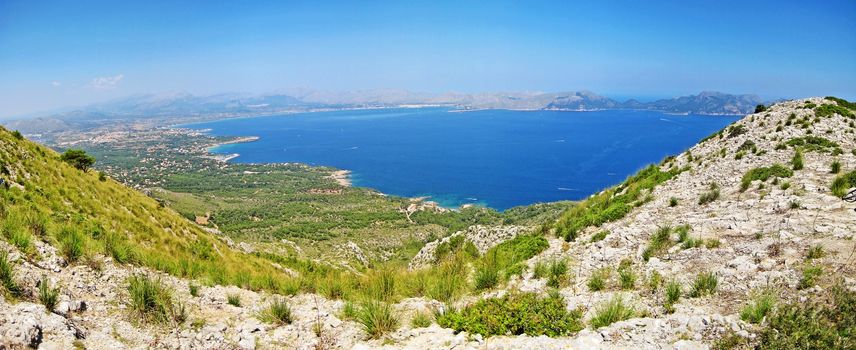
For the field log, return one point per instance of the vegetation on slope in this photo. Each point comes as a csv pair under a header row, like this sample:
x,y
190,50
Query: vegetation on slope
x,y
48,199
613,203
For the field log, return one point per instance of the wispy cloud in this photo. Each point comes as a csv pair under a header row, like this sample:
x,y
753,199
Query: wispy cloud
x,y
106,82
56,83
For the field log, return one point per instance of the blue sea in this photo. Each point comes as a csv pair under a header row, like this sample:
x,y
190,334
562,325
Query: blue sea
x,y
495,158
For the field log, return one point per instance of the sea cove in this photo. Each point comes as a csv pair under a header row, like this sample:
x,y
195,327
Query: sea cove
x,y
496,158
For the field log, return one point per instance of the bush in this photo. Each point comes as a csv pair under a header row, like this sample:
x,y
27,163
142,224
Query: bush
x,y
447,281
278,312
72,243
842,183
826,322
421,320
599,236
835,168
673,294
194,290
704,284
815,252
760,108
659,241
627,278
809,276
17,134
7,276
673,202
711,195
515,314
380,284
48,296
610,312
118,247
152,301
598,278
611,204
486,277
759,308
558,269
377,319
763,174
797,160
234,299
78,159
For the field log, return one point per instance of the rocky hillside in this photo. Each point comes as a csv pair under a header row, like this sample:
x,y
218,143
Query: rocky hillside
x,y
719,246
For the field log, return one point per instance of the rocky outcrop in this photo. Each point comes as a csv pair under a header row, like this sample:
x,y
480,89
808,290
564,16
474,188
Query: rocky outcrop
x,y
483,237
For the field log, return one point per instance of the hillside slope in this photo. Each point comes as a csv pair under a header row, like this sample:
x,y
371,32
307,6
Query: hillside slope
x,y
685,246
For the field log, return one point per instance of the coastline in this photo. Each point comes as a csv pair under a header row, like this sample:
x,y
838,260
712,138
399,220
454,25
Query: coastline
x,y
227,157
342,177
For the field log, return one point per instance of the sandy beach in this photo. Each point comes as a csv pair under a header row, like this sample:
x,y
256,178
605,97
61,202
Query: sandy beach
x,y
342,177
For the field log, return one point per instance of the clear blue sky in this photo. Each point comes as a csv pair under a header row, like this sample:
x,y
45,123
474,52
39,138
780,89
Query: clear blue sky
x,y
63,53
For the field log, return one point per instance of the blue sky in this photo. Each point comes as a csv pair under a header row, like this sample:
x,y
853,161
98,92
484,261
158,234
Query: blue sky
x,y
66,53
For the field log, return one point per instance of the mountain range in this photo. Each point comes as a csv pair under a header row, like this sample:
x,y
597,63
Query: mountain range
x,y
181,105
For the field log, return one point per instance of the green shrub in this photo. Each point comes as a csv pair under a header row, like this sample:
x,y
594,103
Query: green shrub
x,y
486,277
813,144
815,252
349,311
540,270
7,276
712,243
797,160
710,195
152,301
48,296
448,247
194,289
599,236
118,247
835,168
447,281
333,286
515,314
234,299
611,204
704,284
692,242
421,320
673,294
278,312
760,108
654,281
17,134
598,278
683,232
809,276
376,318
610,312
764,173
72,243
673,202
759,308
558,269
659,241
380,284
842,183
825,322
827,110
627,278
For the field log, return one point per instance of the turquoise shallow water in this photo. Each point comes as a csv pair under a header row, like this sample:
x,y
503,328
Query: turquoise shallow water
x,y
496,158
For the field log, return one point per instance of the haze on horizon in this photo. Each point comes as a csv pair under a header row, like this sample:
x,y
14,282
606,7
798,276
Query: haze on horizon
x,y
55,54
